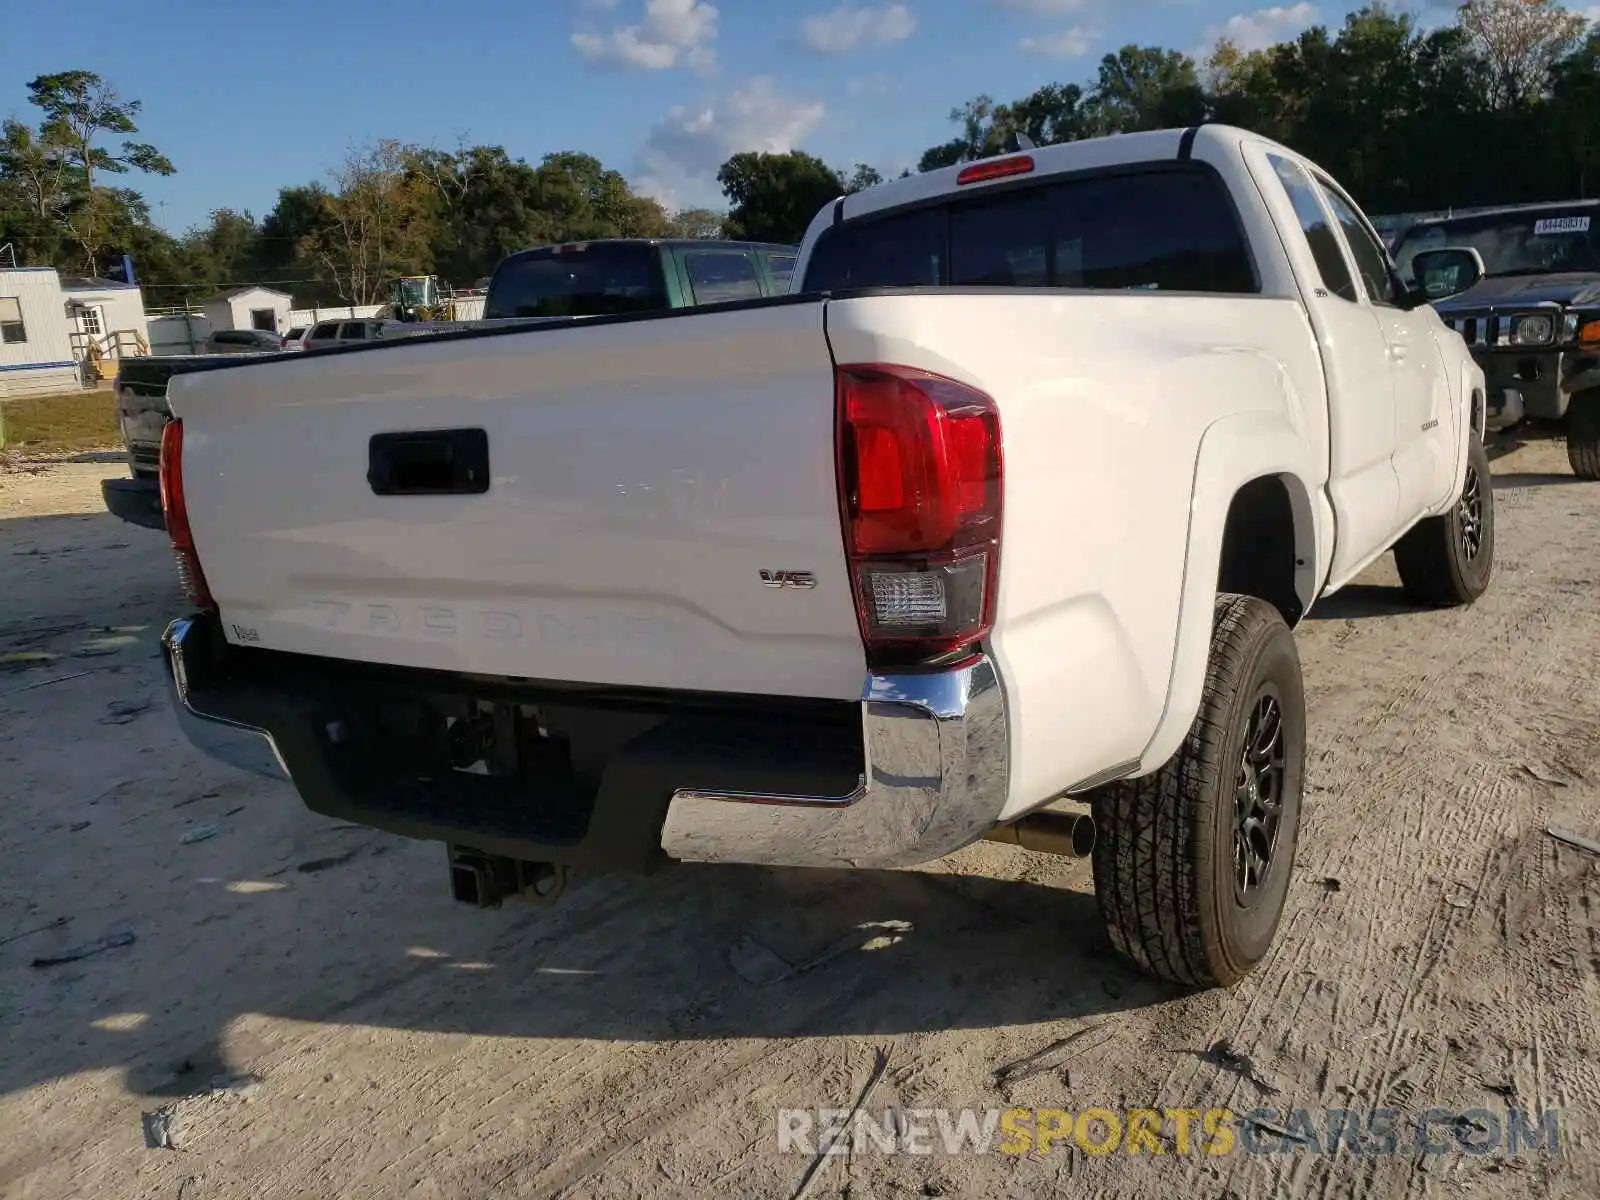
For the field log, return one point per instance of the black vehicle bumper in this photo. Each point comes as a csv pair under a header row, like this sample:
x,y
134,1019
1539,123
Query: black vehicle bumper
x,y
137,501
1537,385
608,780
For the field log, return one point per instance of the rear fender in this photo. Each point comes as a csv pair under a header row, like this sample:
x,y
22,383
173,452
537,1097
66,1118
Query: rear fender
x,y
1234,451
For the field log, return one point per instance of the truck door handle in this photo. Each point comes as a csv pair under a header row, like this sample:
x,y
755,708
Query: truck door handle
x,y
433,462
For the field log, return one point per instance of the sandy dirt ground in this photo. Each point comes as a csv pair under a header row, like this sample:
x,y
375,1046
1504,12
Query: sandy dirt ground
x,y
1440,950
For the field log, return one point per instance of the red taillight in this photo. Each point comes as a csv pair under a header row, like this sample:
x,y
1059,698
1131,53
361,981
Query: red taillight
x,y
176,512
995,168
919,461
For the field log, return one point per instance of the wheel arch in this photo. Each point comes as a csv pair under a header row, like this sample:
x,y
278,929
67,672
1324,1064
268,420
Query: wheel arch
x,y
1255,473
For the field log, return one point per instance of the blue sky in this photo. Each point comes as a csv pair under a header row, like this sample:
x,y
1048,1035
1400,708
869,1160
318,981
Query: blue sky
x,y
246,98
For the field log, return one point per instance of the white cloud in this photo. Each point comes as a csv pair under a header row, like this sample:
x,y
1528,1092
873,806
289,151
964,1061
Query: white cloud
x,y
1069,43
1592,13
1264,27
673,33
848,28
683,150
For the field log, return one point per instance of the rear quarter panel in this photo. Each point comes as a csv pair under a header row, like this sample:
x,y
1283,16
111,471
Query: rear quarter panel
x,y
1105,400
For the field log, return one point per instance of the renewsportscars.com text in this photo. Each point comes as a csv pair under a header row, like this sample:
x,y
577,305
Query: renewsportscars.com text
x,y
1164,1131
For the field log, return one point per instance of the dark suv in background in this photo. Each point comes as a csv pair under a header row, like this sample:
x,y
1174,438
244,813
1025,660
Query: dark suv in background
x,y
1533,320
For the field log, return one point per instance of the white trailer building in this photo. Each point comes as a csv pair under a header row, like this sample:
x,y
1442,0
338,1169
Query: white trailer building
x,y
49,324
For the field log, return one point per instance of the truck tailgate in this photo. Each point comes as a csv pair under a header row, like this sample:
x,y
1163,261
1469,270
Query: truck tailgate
x,y
642,475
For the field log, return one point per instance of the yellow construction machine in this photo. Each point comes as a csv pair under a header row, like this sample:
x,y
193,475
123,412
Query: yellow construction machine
x,y
420,298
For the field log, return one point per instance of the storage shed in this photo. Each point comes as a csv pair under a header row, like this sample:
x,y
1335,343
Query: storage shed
x,y
249,308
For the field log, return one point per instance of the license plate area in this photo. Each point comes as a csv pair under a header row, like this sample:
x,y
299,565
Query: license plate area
x,y
494,767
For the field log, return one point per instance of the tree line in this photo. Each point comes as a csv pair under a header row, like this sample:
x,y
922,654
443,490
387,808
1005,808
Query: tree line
x,y
1501,105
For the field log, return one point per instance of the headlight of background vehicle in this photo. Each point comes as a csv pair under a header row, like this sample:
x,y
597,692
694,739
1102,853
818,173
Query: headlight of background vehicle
x,y
1534,330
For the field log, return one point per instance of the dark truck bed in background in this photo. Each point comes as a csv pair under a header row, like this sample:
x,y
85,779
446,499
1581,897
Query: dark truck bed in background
x,y
625,276
142,413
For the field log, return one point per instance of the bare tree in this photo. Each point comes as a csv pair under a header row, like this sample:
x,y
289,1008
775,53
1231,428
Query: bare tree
x,y
376,222
697,223
1520,40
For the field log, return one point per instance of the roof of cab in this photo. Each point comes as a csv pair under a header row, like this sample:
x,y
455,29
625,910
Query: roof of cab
x,y
1112,150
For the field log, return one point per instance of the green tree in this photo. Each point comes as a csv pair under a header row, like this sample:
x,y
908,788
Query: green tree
x,y
1575,116
33,197
978,136
488,208
277,255
1049,115
223,252
1145,87
38,173
80,108
862,178
584,199
773,197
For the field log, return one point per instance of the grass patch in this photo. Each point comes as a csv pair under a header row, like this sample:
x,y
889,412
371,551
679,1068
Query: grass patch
x,y
75,421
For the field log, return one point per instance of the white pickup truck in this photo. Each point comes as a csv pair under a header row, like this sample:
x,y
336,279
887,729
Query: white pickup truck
x,y
1010,505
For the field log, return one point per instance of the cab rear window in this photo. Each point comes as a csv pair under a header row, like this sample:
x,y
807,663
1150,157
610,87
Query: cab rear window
x,y
1172,229
584,279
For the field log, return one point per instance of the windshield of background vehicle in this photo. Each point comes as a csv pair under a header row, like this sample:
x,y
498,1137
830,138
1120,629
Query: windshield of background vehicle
x,y
1540,242
587,279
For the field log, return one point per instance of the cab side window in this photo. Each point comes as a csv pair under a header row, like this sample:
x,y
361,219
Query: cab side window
x,y
1324,243
721,276
781,268
1372,260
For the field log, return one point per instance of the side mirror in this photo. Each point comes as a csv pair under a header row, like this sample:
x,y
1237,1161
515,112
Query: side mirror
x,y
1445,272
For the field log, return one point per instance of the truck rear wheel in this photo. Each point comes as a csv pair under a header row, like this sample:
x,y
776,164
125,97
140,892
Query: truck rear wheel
x,y
1446,561
1192,863
1583,434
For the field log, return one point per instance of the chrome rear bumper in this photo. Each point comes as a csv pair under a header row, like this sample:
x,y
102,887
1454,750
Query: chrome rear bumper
x,y
936,776
245,747
937,766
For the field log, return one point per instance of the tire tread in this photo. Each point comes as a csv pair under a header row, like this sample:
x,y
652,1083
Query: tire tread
x,y
1152,843
1431,571
1583,434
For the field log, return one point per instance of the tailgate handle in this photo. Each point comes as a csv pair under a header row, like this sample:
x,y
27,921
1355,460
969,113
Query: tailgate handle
x,y
435,462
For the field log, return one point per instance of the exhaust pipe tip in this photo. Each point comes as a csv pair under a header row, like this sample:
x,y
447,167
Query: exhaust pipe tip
x,y
1065,834
1083,836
